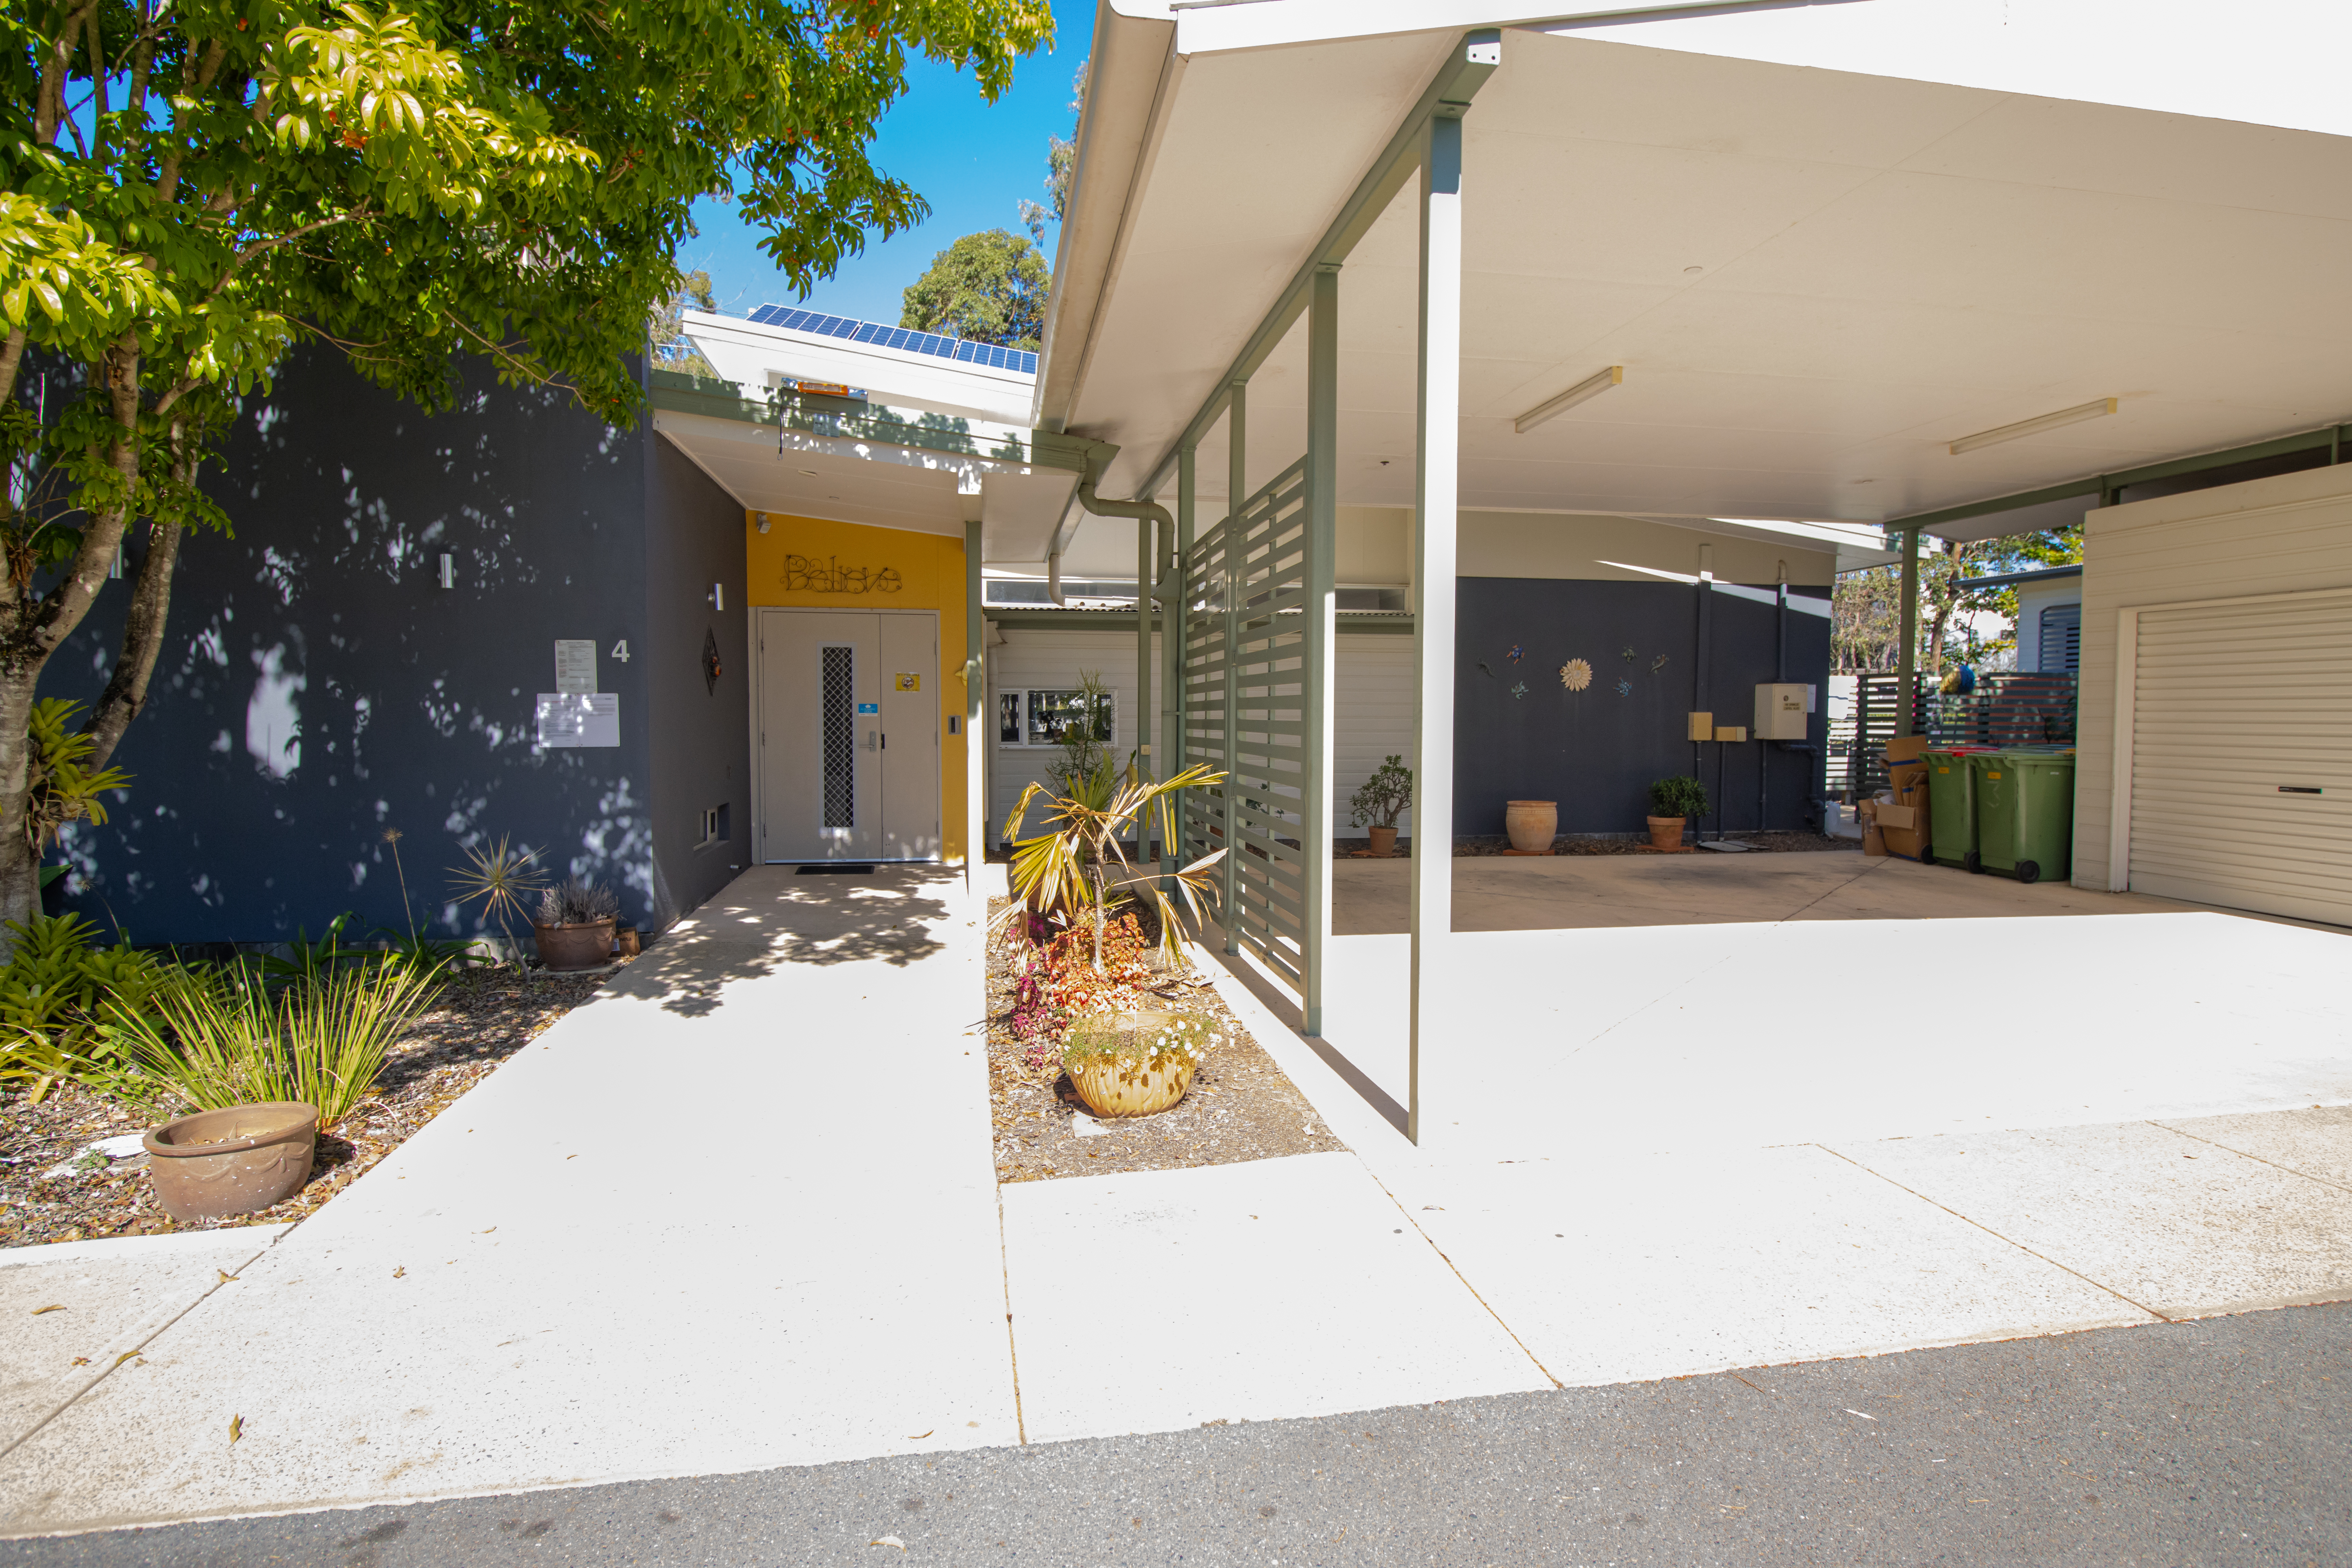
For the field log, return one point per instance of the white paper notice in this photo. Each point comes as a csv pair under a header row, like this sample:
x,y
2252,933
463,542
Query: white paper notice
x,y
575,664
579,718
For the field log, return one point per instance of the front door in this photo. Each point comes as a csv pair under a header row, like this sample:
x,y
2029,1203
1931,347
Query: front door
x,y
849,743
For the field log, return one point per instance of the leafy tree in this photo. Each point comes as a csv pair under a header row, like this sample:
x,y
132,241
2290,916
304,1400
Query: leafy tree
x,y
672,348
1061,164
192,187
1866,615
988,287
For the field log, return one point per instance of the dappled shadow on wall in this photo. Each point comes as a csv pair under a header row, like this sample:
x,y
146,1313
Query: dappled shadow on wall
x,y
770,921
320,684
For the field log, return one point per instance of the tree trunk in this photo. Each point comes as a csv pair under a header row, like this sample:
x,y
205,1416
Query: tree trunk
x,y
20,868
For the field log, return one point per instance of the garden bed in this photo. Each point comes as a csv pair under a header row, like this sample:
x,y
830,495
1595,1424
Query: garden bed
x,y
478,1022
1241,1105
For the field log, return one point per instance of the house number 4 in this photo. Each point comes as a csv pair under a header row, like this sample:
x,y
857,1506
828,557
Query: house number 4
x,y
621,650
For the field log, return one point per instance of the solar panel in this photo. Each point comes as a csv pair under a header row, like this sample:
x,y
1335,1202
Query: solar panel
x,y
964,350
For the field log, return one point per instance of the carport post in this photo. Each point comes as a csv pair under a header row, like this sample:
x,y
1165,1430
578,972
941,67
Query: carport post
x,y
1322,545
1175,622
1906,658
975,700
1437,471
1144,753
1236,491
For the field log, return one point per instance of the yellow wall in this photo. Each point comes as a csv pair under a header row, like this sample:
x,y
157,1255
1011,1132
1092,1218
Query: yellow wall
x,y
807,561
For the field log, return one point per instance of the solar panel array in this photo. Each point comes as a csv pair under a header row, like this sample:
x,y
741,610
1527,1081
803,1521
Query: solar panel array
x,y
962,350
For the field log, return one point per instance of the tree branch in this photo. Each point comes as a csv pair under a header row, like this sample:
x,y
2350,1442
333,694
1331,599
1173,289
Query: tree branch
x,y
142,626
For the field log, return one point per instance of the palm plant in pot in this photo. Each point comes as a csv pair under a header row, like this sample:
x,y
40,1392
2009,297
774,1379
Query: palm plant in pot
x,y
1674,801
1067,880
1383,798
574,927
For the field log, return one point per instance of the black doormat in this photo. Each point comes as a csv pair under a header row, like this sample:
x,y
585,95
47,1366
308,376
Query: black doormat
x,y
831,869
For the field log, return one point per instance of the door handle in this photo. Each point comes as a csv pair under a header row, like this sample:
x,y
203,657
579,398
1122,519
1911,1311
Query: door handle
x,y
869,740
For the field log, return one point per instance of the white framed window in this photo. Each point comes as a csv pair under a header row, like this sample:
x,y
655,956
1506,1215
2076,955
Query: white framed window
x,y
1039,716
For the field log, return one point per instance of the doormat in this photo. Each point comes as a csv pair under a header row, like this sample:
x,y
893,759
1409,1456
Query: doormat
x,y
831,869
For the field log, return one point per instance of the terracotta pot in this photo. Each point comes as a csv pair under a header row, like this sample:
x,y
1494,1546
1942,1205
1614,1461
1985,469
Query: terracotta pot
x,y
1383,840
584,946
1666,831
217,1164
1532,823
1136,1084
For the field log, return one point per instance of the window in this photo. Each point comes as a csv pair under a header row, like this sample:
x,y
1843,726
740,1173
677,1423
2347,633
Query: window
x,y
1039,717
2062,639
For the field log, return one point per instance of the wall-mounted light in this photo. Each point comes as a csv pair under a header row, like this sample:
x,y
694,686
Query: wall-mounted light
x,y
718,596
448,571
1590,386
763,521
2034,427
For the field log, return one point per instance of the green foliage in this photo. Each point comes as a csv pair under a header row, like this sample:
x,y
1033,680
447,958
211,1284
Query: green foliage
x,y
65,788
1383,798
1683,796
1064,874
1061,166
1866,606
1083,729
1101,1034
59,992
989,287
673,349
499,880
223,1038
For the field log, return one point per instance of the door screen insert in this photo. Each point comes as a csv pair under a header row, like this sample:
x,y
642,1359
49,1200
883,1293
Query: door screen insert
x,y
837,717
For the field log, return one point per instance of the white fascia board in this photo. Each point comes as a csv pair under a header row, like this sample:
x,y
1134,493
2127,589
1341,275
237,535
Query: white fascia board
x,y
752,354
1216,27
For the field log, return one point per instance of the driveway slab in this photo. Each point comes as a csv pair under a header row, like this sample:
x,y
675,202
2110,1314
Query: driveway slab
x,y
1172,1299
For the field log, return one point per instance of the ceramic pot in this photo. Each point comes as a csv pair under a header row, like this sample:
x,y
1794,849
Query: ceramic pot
x,y
217,1164
584,946
1666,831
1136,1084
1383,840
1532,823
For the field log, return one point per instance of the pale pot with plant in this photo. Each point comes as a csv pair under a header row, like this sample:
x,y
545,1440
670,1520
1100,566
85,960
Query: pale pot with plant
x,y
1135,1063
1673,802
1379,801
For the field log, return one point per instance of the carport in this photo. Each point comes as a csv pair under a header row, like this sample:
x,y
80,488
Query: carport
x,y
1890,262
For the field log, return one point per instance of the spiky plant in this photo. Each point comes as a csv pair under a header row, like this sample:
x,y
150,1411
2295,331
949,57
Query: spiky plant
x,y
499,880
1066,872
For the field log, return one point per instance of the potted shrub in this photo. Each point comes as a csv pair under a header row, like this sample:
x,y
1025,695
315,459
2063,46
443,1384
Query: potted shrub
x,y
1134,1064
1673,802
574,927
1383,799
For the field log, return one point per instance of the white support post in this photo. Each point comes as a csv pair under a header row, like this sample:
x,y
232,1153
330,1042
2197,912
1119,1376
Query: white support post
x,y
1438,472
976,733
1175,562
1316,714
1236,492
1144,711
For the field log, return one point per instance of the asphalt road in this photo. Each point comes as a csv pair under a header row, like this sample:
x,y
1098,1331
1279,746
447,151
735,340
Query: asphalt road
x,y
2217,1442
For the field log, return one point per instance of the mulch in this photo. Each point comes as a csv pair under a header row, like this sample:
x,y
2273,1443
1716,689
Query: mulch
x,y
481,1020
1241,1105
1767,843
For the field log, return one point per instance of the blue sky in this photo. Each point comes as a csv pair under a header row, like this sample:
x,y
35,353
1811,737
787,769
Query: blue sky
x,y
973,160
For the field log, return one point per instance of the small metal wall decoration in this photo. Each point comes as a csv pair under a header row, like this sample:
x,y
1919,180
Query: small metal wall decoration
x,y
1520,690
711,669
1624,689
1576,675
1657,664
1628,655
1518,651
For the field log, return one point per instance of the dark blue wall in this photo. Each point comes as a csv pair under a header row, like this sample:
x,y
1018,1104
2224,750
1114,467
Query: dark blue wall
x,y
318,686
1596,752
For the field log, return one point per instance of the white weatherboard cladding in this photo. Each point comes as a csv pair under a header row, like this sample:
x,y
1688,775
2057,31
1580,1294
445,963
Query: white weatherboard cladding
x,y
2232,702
2291,534
1374,707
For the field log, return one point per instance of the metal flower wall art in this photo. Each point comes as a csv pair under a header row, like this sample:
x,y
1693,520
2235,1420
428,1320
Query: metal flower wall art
x,y
1576,675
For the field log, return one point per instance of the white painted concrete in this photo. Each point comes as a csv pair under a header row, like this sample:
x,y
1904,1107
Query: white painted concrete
x,y
1296,1286
661,1240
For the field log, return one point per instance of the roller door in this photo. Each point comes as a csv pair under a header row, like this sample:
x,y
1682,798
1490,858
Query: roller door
x,y
2241,756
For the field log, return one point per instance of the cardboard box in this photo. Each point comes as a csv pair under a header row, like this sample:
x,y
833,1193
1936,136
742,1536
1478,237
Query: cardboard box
x,y
1873,843
1889,814
1907,748
1903,811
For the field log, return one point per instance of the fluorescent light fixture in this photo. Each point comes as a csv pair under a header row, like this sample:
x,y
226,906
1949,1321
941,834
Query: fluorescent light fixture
x,y
1590,386
2034,427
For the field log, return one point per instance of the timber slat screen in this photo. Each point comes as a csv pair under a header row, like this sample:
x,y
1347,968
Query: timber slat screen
x,y
2009,708
1245,677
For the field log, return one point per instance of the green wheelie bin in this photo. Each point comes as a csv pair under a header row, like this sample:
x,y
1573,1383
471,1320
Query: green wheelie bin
x,y
1952,807
2025,812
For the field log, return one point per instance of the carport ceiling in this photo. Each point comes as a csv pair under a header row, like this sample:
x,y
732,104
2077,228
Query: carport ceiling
x,y
1815,280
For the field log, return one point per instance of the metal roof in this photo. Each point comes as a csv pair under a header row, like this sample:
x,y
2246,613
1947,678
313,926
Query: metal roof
x,y
964,350
2004,579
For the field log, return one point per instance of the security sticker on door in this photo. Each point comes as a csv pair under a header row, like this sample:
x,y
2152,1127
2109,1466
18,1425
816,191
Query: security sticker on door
x,y
869,708
908,682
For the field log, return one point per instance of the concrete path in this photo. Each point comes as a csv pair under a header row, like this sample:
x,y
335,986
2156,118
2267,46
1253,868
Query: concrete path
x,y
737,1211
2220,1442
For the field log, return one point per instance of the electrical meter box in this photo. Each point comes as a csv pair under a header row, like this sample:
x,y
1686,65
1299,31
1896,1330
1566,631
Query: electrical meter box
x,y
1781,709
1702,726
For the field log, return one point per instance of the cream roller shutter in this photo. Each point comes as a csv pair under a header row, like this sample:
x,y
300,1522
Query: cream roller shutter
x,y
2238,710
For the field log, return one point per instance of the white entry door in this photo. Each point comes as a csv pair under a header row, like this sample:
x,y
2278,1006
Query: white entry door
x,y
848,734
2241,756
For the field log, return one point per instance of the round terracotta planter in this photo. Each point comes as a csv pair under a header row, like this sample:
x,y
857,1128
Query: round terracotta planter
x,y
1666,831
588,946
1383,840
1136,1084
1532,823
217,1163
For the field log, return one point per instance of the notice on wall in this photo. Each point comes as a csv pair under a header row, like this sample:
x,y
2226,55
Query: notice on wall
x,y
575,664
567,718
908,680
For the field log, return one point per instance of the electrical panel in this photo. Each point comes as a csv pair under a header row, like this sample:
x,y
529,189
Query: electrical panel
x,y
1781,709
1702,727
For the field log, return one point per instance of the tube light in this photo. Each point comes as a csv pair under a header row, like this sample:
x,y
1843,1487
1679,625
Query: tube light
x,y
1590,386
2034,427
